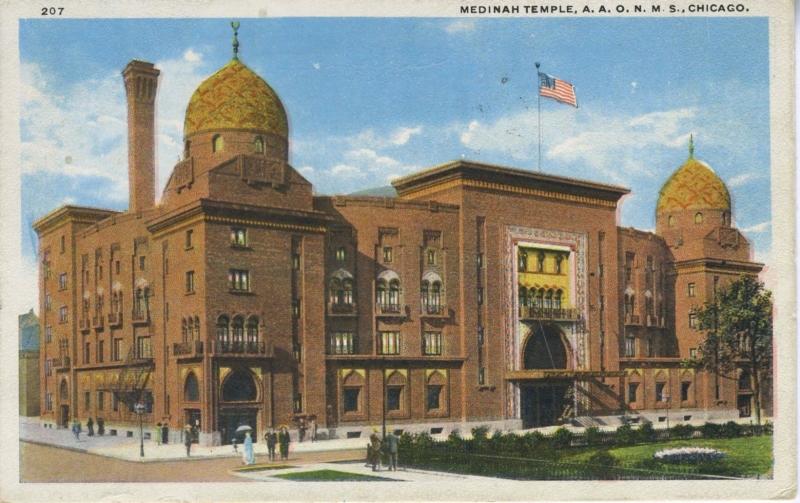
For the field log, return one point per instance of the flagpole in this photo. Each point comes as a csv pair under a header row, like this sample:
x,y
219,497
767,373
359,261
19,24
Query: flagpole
x,y
539,113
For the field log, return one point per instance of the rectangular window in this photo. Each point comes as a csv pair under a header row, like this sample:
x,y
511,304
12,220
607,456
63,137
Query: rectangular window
x,y
387,254
48,302
48,334
189,236
690,290
351,399
87,353
630,347
685,391
693,320
63,244
482,376
393,395
692,353
239,280
48,401
239,236
114,402
87,400
142,263
62,314
48,367
341,254
342,343
116,350
298,403
633,388
189,281
480,336
432,343
480,295
62,281
296,261
660,392
116,267
389,343
629,259
480,260
100,400
100,351
434,393
296,308
99,272
144,349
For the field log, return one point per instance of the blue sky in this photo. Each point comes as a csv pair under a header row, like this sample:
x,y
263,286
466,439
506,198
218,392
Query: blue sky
x,y
370,99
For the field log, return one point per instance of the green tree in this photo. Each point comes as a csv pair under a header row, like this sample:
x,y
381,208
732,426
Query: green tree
x,y
738,325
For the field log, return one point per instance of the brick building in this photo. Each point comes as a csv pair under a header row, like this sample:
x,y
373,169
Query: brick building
x,y
478,295
29,364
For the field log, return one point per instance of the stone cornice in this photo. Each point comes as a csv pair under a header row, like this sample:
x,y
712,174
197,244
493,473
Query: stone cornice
x,y
70,213
716,265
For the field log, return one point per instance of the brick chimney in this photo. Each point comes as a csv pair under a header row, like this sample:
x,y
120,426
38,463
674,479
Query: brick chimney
x,y
141,82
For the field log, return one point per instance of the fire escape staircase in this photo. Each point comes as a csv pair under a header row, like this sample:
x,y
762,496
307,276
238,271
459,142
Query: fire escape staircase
x,y
134,374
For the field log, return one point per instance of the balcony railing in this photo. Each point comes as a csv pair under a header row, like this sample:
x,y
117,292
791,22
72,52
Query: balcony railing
x,y
97,321
83,324
62,363
188,349
140,317
632,319
387,309
242,348
548,313
433,309
143,353
114,319
336,308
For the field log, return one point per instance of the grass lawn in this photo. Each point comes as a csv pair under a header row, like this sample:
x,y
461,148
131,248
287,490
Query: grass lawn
x,y
330,476
745,455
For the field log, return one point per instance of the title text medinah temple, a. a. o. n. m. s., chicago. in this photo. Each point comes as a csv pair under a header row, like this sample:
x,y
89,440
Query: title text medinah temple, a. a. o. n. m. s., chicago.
x,y
479,295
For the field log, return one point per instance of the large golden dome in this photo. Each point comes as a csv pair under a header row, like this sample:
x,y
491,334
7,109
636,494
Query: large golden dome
x,y
235,98
693,186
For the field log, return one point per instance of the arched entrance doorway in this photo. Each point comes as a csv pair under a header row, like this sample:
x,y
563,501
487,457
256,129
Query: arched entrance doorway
x,y
547,402
63,395
239,405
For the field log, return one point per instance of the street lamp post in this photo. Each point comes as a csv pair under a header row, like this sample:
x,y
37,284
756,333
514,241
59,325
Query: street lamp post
x,y
667,399
139,409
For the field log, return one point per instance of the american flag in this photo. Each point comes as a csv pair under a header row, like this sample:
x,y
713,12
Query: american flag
x,y
558,89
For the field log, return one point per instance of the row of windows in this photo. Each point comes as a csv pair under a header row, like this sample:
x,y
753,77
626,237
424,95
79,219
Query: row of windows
x,y
698,219
540,298
523,265
237,327
434,398
661,393
387,254
218,145
389,343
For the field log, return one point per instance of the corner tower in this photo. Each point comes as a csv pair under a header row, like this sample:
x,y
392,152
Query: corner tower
x,y
141,84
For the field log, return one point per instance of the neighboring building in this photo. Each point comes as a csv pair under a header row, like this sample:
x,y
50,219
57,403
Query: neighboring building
x,y
29,364
479,295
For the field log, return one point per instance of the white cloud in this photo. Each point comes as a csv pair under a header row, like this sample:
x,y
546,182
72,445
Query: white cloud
x,y
346,171
316,66
460,26
191,56
306,170
403,134
398,137
757,228
81,131
741,179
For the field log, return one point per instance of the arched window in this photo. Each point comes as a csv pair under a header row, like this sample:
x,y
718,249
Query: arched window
x,y
196,334
239,386
191,388
238,330
698,218
252,330
138,303
217,144
426,290
557,299
436,294
258,145
347,289
184,330
394,292
726,218
336,291
523,296
189,328
223,336
548,299
545,349
671,221
538,301
383,297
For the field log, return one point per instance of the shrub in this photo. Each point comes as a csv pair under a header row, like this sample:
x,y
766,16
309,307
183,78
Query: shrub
x,y
731,429
479,438
766,429
593,436
681,431
561,439
646,433
507,444
711,430
625,435
531,443
454,440
602,463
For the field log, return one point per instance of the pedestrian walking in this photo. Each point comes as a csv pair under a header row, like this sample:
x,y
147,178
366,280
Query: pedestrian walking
x,y
158,433
101,426
392,444
375,450
283,441
301,429
187,439
248,453
313,428
272,440
90,427
76,429
235,446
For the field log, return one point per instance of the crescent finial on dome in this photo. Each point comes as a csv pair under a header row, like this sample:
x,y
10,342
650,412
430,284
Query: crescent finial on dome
x,y
235,26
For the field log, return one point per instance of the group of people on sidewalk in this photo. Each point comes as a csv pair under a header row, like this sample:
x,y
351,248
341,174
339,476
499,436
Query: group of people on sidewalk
x,y
377,449
77,429
280,439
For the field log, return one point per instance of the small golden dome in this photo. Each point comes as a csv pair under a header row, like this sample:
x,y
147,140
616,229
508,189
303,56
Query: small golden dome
x,y
235,97
693,186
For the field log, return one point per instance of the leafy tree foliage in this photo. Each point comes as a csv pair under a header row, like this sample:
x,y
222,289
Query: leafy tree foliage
x,y
738,325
